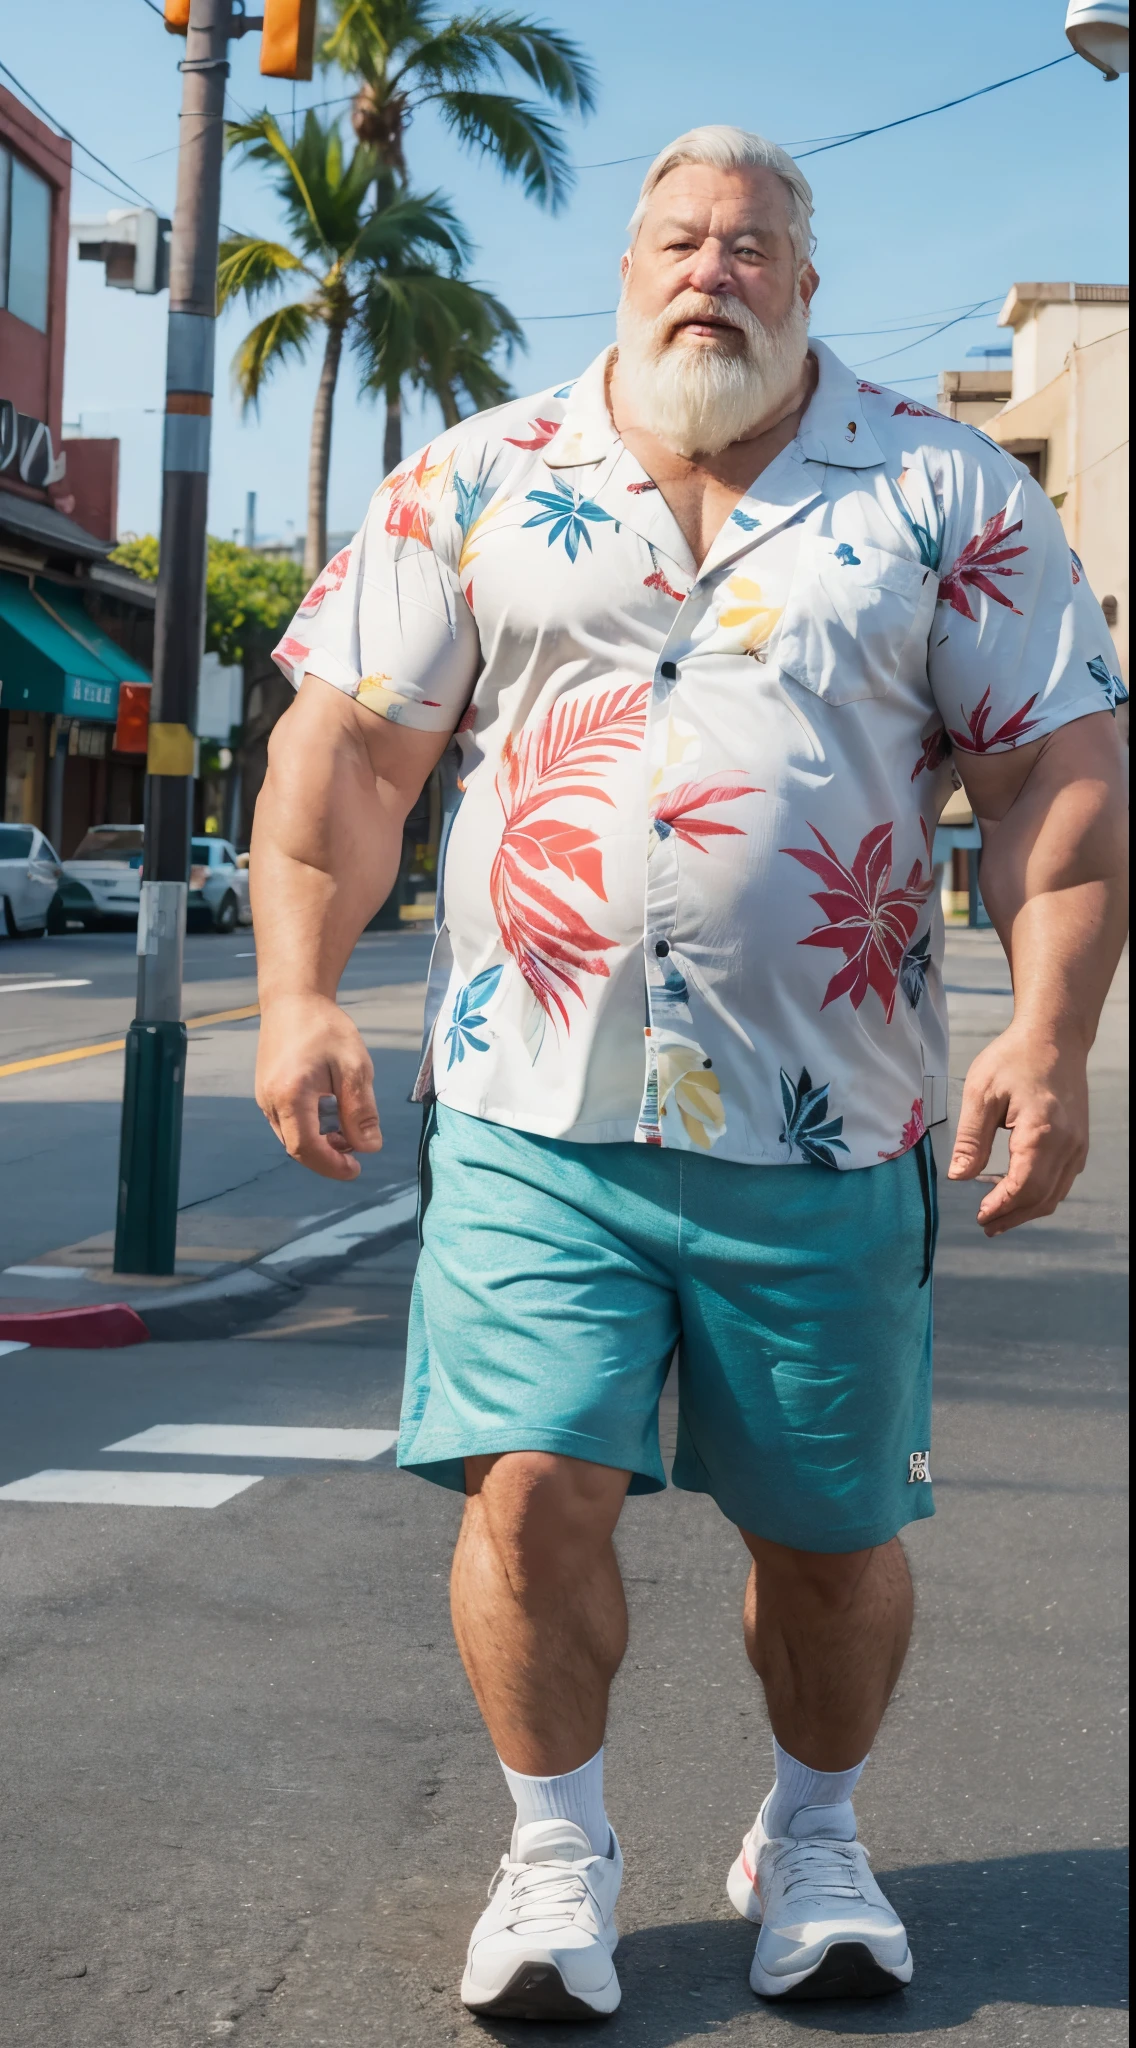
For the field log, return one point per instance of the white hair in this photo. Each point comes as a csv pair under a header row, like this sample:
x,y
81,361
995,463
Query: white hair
x,y
733,149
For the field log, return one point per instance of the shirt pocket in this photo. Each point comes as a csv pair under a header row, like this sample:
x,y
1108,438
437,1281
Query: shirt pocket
x,y
857,619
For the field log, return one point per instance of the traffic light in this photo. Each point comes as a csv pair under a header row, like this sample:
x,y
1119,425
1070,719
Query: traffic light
x,y
177,17
287,39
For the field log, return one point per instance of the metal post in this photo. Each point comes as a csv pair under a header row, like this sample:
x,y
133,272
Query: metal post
x,y
150,1154
250,519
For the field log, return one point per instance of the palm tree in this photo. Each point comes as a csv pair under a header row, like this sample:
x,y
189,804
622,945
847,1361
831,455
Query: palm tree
x,y
439,333
408,54
349,217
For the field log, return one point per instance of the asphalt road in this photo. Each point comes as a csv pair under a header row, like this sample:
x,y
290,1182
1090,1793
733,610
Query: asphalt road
x,y
247,1795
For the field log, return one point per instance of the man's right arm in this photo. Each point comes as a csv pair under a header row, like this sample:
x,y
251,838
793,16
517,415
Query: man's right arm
x,y
326,846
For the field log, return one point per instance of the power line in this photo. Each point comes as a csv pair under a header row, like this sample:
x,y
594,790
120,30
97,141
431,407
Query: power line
x,y
970,311
860,134
124,183
977,311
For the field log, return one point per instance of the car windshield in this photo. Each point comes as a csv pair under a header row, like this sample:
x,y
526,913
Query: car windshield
x,y
111,842
15,842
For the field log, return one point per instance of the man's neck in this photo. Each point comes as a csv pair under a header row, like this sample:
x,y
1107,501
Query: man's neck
x,y
702,490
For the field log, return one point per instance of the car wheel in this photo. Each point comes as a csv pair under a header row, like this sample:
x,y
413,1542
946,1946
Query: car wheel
x,y
8,919
226,914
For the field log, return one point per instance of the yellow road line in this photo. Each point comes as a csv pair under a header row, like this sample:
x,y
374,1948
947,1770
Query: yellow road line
x,y
89,1052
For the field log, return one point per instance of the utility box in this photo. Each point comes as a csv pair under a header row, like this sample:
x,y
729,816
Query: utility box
x,y
133,245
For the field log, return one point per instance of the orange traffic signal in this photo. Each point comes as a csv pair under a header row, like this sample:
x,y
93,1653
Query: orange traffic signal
x,y
177,17
287,39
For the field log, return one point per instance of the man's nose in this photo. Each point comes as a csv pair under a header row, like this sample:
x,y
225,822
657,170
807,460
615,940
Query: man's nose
x,y
709,270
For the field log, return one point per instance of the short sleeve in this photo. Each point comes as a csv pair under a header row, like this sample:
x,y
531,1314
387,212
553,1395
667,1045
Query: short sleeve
x,y
1019,644
386,621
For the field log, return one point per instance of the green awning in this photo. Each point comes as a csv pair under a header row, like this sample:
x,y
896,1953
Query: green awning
x,y
54,658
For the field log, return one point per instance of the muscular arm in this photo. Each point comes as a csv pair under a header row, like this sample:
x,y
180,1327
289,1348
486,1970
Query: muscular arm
x,y
1054,867
325,852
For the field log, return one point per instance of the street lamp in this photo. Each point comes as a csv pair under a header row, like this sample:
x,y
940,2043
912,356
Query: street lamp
x,y
1098,31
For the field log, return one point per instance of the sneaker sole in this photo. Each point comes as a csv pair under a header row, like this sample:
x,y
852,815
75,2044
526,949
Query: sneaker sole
x,y
742,1893
847,1969
537,1991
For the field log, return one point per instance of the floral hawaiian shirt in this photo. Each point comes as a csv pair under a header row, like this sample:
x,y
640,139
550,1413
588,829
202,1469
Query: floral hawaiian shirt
x,y
688,892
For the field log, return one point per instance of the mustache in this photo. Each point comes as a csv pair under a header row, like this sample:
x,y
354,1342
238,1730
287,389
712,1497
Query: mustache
x,y
690,305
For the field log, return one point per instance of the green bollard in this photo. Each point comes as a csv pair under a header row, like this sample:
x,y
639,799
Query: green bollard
x,y
150,1157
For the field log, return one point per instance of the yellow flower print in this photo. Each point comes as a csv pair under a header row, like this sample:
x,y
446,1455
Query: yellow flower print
x,y
375,692
749,621
687,1083
469,552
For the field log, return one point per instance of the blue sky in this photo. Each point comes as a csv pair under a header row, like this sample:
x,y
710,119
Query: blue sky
x,y
1028,183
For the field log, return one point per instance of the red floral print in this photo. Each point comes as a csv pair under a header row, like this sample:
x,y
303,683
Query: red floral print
x,y
875,390
983,557
868,922
915,411
976,739
659,582
330,578
543,432
408,514
675,812
562,756
913,1130
936,748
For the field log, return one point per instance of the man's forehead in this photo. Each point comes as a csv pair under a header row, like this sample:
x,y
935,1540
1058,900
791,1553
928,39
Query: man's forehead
x,y
748,195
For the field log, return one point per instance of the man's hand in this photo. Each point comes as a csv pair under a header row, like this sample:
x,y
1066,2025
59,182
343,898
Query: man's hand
x,y
309,1048
1044,1102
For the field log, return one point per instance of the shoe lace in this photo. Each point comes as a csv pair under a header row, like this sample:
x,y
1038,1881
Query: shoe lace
x,y
822,1866
540,1891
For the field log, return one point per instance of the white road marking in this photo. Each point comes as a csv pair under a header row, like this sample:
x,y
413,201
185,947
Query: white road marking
x,y
20,988
255,1440
12,1344
49,1272
244,956
342,1237
132,1489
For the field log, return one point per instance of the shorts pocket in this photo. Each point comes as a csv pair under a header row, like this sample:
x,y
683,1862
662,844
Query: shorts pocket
x,y
856,619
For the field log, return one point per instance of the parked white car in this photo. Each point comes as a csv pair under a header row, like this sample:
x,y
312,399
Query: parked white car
x,y
102,880
30,874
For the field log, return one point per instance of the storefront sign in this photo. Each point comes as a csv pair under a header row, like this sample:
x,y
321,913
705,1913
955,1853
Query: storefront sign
x,y
83,698
131,734
26,450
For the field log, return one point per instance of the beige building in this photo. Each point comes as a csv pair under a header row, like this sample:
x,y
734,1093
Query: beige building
x,y
1067,420
974,395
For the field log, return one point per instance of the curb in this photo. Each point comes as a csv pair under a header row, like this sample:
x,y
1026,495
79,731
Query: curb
x,y
100,1326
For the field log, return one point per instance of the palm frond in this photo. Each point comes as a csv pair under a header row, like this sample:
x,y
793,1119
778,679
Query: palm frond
x,y
285,333
406,230
553,61
525,144
248,266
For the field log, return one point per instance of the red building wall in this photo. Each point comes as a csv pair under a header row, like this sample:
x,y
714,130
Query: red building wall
x,y
31,364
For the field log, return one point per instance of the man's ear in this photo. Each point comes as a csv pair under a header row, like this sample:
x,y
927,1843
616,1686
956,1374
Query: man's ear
x,y
625,264
807,284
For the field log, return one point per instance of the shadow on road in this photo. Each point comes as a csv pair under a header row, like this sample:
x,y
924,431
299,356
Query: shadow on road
x,y
1044,1930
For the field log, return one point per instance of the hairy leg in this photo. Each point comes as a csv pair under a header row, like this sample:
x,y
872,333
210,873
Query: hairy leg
x,y
538,1606
827,1636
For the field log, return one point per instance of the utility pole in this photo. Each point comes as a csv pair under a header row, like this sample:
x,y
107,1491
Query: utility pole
x,y
150,1148
150,1156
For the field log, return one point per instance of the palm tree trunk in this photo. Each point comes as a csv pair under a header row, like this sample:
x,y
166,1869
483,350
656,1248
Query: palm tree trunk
x,y
392,435
448,403
319,458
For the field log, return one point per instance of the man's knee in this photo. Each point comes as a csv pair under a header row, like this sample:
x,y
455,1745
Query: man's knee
x,y
547,1516
829,1580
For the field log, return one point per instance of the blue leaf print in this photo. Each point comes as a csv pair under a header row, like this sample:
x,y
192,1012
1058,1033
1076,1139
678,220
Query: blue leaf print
x,y
913,970
566,516
745,520
469,1016
472,498
1114,690
809,1129
928,541
845,555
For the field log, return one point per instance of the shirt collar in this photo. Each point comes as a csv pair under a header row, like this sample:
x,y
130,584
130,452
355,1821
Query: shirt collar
x,y
833,430
587,431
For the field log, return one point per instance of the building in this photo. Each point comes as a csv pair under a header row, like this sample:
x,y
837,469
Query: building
x,y
1067,420
76,631
975,395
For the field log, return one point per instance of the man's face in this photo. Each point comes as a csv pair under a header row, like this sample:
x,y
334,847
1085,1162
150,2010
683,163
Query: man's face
x,y
715,235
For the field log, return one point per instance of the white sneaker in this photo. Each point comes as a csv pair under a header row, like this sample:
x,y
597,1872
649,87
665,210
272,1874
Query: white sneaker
x,y
827,1930
542,1949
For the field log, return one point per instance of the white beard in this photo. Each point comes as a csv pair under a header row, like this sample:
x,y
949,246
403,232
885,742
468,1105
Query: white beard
x,y
698,397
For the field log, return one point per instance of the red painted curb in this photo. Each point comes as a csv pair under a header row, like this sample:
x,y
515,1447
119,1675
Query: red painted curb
x,y
96,1328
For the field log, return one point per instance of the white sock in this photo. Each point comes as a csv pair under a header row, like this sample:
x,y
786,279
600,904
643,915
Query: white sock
x,y
797,1786
577,1796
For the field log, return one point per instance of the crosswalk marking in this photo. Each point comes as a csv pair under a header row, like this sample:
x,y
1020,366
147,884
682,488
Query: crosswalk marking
x,y
132,1489
12,1344
257,1440
343,1237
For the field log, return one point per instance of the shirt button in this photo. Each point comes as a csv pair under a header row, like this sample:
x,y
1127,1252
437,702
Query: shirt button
x,y
668,671
662,948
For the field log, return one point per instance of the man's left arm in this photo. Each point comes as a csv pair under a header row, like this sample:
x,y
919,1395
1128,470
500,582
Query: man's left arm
x,y
1053,814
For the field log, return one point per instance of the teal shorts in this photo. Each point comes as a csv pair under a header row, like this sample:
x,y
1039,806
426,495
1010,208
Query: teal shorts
x,y
557,1281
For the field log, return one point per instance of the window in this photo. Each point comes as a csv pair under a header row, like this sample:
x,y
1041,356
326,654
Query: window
x,y
119,843
25,240
15,842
